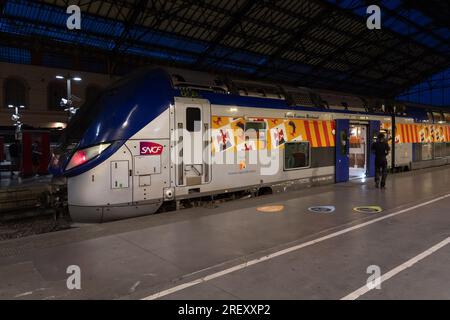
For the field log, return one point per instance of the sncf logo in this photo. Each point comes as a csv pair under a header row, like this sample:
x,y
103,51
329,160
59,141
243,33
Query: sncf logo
x,y
150,149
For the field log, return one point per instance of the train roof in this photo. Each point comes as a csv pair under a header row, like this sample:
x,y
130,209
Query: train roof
x,y
220,89
126,106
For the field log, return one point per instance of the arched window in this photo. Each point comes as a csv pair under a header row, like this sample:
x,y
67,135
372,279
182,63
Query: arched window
x,y
56,90
92,91
15,92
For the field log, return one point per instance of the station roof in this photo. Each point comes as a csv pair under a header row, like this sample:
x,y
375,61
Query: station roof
x,y
312,43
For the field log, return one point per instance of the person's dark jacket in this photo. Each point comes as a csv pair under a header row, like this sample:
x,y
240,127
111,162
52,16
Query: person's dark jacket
x,y
14,150
381,150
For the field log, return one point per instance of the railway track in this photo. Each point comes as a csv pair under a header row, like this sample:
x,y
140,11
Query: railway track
x,y
28,210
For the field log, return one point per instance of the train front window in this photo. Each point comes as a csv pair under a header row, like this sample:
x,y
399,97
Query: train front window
x,y
296,155
78,125
193,119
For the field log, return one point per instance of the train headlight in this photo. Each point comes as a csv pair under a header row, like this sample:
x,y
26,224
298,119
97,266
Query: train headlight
x,y
84,155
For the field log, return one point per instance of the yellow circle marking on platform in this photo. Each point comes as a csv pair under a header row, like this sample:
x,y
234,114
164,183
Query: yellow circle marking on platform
x,y
368,209
270,209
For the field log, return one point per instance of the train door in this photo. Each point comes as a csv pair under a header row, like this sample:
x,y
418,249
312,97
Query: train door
x,y
149,168
358,164
374,129
342,150
193,136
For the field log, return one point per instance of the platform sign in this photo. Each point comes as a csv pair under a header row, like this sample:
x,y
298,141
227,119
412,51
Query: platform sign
x,y
322,209
368,209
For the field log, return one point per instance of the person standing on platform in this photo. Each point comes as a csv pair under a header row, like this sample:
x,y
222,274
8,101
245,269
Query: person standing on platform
x,y
14,154
35,157
381,149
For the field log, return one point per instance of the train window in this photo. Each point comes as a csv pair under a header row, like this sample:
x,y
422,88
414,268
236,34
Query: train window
x,y
296,155
447,117
437,116
15,92
255,125
193,119
439,150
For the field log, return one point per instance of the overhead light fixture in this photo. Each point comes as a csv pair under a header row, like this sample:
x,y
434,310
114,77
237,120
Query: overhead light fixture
x,y
59,77
21,107
76,78
10,106
57,125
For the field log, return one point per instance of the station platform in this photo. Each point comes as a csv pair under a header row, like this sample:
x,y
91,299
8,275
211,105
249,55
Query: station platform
x,y
237,251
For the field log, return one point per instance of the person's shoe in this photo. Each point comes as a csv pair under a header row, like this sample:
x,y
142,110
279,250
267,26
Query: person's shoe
x,y
383,187
377,185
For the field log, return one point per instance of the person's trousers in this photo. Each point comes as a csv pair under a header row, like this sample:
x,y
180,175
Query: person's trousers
x,y
381,173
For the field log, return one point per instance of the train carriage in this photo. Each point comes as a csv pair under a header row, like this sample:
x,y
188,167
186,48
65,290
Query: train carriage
x,y
153,138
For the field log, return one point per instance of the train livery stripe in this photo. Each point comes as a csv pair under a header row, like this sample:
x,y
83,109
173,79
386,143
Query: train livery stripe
x,y
323,128
409,133
326,133
415,133
402,126
412,130
308,133
314,137
332,127
405,131
303,133
319,135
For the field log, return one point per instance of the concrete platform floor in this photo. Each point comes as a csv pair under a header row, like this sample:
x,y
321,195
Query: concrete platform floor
x,y
234,251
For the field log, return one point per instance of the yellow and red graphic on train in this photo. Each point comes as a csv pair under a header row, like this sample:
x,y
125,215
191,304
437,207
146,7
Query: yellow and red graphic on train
x,y
420,133
230,133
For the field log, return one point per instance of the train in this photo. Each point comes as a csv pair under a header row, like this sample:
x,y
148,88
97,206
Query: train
x,y
160,137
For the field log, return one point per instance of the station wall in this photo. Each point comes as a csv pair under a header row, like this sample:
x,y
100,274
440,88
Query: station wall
x,y
37,80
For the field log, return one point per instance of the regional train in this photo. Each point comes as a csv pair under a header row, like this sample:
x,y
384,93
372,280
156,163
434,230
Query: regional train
x,y
159,137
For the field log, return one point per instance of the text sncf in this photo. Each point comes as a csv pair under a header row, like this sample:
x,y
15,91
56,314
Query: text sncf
x,y
150,149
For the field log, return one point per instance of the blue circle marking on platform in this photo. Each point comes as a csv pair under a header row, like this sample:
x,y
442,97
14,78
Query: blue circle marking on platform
x,y
322,209
368,209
